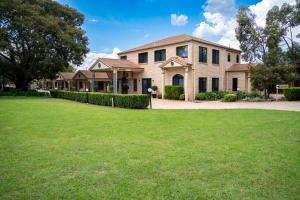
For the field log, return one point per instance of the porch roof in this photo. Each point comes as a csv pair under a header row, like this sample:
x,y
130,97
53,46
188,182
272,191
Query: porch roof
x,y
181,61
90,75
240,67
110,64
65,76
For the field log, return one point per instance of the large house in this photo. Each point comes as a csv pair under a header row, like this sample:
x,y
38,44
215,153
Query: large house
x,y
197,65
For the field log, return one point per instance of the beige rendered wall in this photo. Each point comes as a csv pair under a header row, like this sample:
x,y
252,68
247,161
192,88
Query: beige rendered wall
x,y
242,81
208,70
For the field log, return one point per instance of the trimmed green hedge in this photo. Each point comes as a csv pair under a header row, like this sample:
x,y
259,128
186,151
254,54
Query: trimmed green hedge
x,y
173,91
230,97
15,92
138,101
292,94
210,96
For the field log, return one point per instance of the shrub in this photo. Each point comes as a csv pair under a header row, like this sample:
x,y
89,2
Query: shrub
x,y
154,88
139,101
201,96
211,96
292,93
230,97
173,92
220,94
182,97
16,92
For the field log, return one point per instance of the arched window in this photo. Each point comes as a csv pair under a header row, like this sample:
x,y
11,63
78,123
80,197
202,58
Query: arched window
x,y
178,80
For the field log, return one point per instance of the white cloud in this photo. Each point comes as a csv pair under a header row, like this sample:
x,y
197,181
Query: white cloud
x,y
91,57
146,35
220,19
93,20
179,20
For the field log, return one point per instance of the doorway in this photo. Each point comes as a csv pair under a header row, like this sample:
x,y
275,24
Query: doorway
x,y
146,83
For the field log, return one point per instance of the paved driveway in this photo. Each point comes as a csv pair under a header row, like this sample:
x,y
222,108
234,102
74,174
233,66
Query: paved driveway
x,y
279,105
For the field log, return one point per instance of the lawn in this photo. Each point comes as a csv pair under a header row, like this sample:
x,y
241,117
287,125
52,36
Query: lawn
x,y
59,149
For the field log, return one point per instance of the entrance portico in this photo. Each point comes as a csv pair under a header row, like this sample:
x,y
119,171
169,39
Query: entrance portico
x,y
173,71
123,73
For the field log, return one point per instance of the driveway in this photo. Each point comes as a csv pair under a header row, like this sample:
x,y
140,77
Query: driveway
x,y
275,105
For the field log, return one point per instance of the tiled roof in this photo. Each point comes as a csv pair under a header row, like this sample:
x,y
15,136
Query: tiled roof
x,y
174,40
67,75
98,75
177,59
239,67
118,63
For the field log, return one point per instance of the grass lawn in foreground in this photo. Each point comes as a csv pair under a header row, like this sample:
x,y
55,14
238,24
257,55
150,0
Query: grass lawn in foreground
x,y
59,149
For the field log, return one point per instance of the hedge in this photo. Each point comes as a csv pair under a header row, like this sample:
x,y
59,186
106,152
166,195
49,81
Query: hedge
x,y
173,91
230,97
15,92
292,93
138,101
221,94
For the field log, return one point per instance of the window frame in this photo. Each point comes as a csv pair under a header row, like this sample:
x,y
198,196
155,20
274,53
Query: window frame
x,y
201,55
161,55
187,51
205,86
237,58
217,61
145,59
229,57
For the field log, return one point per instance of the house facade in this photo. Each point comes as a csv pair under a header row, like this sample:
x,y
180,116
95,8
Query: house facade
x,y
197,65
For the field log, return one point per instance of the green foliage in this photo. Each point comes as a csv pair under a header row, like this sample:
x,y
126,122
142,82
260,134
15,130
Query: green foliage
x,y
154,87
221,94
230,97
39,38
292,94
173,91
138,101
182,97
263,78
159,95
201,96
16,92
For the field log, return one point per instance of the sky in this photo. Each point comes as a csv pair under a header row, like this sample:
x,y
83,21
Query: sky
x,y
117,25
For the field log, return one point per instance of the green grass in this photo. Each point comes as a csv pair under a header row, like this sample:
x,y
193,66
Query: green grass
x,y
59,149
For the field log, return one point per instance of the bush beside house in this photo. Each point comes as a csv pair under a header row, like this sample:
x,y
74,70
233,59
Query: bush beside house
x,y
138,101
173,92
230,97
211,96
16,92
292,94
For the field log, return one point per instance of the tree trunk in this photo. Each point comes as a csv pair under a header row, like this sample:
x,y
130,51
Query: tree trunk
x,y
21,83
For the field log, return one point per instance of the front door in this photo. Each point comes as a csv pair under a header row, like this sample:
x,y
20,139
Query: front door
x,y
124,83
234,84
146,83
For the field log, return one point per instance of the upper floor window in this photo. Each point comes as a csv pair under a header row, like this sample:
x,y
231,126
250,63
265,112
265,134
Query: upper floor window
x,y
123,57
215,56
202,54
238,58
143,57
182,51
160,55
228,57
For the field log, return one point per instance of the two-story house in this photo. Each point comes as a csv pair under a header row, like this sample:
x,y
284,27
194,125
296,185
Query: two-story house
x,y
197,65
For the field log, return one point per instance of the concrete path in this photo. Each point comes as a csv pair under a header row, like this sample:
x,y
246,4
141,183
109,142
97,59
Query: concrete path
x,y
279,105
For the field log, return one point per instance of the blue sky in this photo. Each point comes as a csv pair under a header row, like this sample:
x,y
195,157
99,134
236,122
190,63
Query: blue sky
x,y
127,23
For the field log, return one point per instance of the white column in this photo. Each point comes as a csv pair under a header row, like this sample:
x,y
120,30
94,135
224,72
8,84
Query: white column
x,y
186,77
115,81
163,84
249,82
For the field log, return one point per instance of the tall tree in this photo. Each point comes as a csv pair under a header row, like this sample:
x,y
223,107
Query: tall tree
x,y
38,38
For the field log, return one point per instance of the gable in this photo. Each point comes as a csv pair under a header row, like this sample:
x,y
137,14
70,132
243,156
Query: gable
x,y
79,75
99,65
173,64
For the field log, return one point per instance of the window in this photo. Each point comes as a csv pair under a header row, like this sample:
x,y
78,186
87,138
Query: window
x,y
143,57
135,85
237,58
228,57
182,51
100,85
215,56
160,55
215,84
123,57
202,84
178,80
202,54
